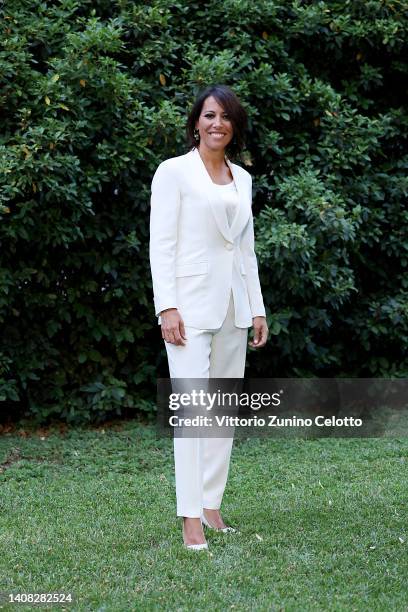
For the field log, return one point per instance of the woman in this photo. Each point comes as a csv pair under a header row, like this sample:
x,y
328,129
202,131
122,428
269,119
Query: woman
x,y
206,285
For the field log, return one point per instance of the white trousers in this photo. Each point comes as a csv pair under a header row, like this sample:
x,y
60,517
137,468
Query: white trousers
x,y
202,464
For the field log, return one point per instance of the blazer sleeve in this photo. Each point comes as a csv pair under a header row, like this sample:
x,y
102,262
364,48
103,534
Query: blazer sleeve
x,y
251,266
164,213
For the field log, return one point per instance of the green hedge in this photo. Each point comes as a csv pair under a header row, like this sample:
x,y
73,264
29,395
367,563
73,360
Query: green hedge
x,y
94,96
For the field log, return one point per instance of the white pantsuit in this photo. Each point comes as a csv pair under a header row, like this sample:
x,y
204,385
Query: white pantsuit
x,y
203,263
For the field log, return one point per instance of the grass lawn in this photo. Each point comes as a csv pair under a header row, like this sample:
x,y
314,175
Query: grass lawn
x,y
323,524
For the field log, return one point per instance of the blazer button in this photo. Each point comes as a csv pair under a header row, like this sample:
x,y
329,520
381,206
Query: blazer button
x,y
229,246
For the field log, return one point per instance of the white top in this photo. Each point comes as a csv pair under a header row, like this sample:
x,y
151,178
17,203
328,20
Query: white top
x,y
229,198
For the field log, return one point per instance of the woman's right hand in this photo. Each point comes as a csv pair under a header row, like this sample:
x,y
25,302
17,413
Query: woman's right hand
x,y
172,327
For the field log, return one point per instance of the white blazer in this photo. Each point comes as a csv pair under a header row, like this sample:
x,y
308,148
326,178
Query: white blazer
x,y
196,257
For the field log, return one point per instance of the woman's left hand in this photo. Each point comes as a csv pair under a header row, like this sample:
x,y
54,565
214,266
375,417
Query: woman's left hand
x,y
260,332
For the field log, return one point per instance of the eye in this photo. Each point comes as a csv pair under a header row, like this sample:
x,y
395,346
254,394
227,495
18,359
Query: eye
x,y
209,115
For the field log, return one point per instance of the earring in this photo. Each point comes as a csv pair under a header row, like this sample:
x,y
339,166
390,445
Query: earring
x,y
196,135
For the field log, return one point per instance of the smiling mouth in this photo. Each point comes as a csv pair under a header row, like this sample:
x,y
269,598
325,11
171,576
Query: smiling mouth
x,y
216,134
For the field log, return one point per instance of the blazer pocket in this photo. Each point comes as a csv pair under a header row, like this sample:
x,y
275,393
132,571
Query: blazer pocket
x,y
243,271
191,269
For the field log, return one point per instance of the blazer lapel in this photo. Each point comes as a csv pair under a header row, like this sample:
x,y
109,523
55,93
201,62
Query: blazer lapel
x,y
220,215
210,192
244,204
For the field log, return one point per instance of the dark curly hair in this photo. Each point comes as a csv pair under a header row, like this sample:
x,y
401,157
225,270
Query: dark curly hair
x,y
231,104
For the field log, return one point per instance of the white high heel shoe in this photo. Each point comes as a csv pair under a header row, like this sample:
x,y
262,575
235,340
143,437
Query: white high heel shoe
x,y
223,530
195,546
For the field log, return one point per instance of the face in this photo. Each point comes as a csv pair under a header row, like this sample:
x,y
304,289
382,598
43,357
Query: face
x,y
214,126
